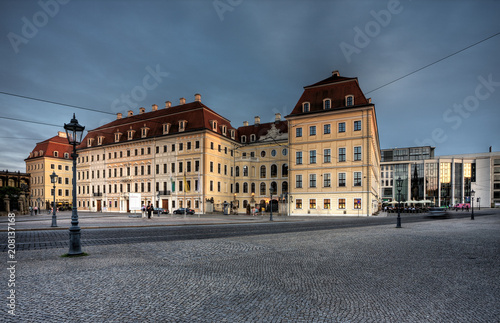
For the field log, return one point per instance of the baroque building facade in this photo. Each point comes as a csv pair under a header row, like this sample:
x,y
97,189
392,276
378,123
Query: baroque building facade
x,y
188,155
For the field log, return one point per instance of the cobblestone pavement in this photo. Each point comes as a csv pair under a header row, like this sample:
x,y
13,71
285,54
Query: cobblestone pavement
x,y
438,271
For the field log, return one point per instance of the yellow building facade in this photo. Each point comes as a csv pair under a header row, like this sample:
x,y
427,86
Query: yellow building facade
x,y
50,156
334,150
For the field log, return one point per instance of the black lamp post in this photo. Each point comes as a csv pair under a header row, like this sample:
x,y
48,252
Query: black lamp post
x,y
271,204
472,205
399,185
53,180
74,132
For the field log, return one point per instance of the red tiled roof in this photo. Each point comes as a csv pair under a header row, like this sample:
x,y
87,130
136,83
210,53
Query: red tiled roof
x,y
197,115
336,88
56,143
261,129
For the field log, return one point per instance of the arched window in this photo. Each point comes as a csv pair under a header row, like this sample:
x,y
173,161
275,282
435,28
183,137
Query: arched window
x,y
237,170
262,188
252,188
284,170
349,100
245,204
237,188
245,187
243,139
262,171
284,187
245,170
274,187
274,171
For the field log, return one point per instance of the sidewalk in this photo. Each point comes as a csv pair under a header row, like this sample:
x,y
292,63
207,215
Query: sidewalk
x,y
88,220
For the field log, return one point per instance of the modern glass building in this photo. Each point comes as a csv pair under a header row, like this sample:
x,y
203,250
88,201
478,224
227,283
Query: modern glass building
x,y
442,180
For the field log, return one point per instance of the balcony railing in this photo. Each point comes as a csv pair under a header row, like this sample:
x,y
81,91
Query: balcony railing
x,y
164,192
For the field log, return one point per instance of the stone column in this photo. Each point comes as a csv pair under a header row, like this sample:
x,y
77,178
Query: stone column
x,y
6,200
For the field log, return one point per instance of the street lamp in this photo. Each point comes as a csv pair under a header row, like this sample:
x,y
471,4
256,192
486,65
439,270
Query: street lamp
x,y
399,186
53,180
74,132
472,205
271,204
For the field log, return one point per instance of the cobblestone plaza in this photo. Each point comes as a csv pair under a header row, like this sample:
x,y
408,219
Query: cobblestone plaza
x,y
436,271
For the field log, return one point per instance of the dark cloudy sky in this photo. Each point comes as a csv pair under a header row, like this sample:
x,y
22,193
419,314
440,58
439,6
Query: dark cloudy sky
x,y
248,58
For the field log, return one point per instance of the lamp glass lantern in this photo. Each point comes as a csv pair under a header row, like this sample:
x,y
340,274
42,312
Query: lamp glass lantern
x,y
53,177
74,131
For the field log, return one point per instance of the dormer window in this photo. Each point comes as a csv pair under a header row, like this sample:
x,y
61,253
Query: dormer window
x,y
232,133
56,153
305,107
130,134
182,125
213,123
41,152
243,139
224,129
166,128
252,137
66,155
144,131
117,136
327,104
349,100
100,140
90,141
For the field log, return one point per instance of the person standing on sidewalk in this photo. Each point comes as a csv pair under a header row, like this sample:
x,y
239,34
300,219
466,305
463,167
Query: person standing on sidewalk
x,y
149,209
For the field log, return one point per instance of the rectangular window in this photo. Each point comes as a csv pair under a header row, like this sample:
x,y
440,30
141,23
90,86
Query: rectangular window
x,y
327,129
197,144
173,147
341,179
341,203
326,204
298,203
327,180
312,157
312,203
357,125
211,186
357,204
312,131
298,181
181,146
298,132
312,180
172,168
357,178
196,165
189,145
341,154
211,167
298,159
341,126
357,153
219,168
188,166
327,155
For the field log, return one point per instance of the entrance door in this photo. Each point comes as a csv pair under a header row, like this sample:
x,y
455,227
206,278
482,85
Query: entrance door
x,y
99,206
164,204
128,206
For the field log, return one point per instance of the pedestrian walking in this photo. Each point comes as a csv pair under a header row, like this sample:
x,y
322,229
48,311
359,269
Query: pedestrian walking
x,y
149,209
143,209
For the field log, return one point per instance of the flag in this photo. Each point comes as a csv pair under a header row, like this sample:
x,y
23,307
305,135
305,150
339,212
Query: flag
x,y
198,186
186,185
173,184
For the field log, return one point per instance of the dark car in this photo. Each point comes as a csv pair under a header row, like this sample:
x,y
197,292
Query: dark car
x,y
160,211
184,211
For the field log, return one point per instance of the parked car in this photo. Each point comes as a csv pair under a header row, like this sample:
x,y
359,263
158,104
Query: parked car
x,y
437,211
184,211
160,210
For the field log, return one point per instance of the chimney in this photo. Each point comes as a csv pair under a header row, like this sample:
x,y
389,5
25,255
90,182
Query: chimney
x,y
369,100
130,113
490,149
142,110
168,104
257,120
245,123
154,107
118,116
335,73
62,134
277,117
197,97
182,101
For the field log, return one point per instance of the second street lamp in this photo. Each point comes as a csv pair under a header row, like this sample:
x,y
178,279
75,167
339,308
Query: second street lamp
x,y
399,185
53,180
472,193
74,132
